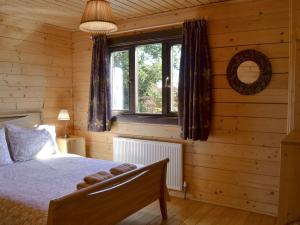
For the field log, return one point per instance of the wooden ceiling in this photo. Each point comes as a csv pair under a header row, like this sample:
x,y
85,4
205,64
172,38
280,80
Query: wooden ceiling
x,y
67,13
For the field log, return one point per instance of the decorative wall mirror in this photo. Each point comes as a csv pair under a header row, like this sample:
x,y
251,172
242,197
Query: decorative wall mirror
x,y
249,72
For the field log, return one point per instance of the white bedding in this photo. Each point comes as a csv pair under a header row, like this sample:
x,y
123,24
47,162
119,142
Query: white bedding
x,y
26,188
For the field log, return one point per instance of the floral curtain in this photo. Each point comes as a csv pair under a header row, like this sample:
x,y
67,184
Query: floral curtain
x,y
195,82
99,114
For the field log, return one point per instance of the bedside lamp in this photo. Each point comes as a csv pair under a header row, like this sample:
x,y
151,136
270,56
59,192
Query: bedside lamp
x,y
64,116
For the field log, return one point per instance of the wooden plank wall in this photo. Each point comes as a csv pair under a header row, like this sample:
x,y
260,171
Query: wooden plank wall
x,y
297,4
35,68
239,165
296,61
289,201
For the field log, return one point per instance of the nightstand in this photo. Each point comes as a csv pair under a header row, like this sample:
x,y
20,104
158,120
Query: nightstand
x,y
72,145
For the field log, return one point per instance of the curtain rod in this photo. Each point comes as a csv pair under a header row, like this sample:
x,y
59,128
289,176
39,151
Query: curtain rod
x,y
155,26
152,27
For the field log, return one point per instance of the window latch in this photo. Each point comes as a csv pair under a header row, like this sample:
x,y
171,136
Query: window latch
x,y
167,82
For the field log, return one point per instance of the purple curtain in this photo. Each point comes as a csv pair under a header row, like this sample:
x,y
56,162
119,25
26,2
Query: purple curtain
x,y
195,82
99,114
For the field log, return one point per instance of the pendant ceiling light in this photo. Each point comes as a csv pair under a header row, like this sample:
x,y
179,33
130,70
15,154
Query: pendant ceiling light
x,y
97,18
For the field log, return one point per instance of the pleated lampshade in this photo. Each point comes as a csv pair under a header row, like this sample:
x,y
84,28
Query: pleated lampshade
x,y
98,18
63,115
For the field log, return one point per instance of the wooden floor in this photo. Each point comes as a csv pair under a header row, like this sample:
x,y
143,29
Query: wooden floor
x,y
191,213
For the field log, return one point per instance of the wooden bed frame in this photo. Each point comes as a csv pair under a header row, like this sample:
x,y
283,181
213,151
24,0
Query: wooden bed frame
x,y
111,201
107,202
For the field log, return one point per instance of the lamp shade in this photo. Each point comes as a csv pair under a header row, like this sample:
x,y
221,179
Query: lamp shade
x,y
98,18
63,115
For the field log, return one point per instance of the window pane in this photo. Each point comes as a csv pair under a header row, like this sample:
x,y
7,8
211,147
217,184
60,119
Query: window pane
x,y
149,78
120,80
175,66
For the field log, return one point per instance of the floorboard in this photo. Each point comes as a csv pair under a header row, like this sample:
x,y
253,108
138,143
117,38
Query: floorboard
x,y
189,212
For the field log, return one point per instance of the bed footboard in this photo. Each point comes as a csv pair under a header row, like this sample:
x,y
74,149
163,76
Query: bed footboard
x,y
113,200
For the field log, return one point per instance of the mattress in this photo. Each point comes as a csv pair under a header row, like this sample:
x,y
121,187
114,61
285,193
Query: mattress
x,y
26,188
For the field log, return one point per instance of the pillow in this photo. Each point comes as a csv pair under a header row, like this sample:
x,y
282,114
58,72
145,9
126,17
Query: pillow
x,y
4,152
26,144
52,132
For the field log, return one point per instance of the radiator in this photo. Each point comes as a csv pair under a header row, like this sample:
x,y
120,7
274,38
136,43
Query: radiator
x,y
146,152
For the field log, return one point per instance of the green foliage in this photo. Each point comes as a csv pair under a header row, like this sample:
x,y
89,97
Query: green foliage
x,y
149,69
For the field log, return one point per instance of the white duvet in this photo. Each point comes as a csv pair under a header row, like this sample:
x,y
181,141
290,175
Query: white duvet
x,y
26,188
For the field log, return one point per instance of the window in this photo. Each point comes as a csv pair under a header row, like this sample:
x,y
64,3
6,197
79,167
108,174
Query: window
x,y
175,66
120,80
148,78
144,77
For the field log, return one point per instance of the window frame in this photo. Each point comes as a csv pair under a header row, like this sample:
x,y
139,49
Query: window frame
x,y
167,38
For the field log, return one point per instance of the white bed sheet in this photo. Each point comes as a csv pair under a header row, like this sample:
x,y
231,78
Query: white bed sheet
x,y
26,188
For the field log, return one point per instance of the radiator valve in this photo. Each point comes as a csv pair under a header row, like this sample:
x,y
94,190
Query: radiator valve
x,y
185,189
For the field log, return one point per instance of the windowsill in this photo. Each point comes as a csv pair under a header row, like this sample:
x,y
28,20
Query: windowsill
x,y
153,119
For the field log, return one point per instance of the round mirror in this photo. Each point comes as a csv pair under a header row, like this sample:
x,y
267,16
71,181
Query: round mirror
x,y
248,72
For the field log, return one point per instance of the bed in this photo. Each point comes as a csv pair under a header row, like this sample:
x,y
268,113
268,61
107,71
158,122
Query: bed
x,y
43,191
